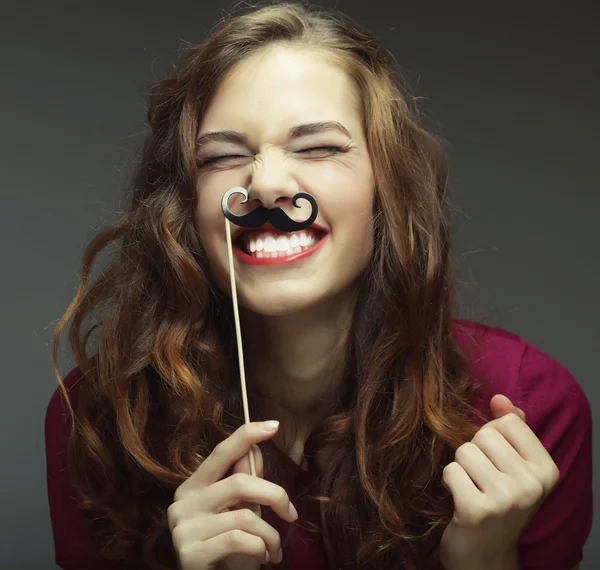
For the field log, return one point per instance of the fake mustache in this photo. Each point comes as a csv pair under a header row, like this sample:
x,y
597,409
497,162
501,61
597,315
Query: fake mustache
x,y
261,215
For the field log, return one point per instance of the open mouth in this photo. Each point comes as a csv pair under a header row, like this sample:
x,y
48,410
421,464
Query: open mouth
x,y
262,244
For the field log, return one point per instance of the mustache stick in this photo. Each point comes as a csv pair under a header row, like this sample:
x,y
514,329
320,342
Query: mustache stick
x,y
236,316
255,219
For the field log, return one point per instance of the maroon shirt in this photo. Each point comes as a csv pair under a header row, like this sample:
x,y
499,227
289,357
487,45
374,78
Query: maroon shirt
x,y
556,409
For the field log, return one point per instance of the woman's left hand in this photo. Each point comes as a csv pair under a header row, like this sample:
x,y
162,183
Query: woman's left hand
x,y
497,481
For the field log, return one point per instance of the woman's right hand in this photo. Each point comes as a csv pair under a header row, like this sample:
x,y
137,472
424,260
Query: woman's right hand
x,y
217,521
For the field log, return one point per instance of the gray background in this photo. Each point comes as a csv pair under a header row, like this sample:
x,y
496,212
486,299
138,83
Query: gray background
x,y
513,87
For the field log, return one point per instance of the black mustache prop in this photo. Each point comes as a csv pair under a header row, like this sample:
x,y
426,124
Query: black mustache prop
x,y
261,215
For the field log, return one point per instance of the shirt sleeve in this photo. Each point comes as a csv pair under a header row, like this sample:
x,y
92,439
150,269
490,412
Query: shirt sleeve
x,y
70,528
558,411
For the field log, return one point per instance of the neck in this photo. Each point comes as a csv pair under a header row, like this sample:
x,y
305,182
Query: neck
x,y
299,359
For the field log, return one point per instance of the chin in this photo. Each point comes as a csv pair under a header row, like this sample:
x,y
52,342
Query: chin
x,y
278,301
280,306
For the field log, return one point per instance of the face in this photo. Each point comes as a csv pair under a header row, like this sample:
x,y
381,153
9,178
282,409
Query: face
x,y
263,102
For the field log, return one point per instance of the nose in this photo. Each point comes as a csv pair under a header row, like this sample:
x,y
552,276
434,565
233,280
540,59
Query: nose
x,y
271,182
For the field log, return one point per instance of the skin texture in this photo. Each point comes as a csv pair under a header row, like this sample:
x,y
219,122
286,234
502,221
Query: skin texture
x,y
498,481
296,316
215,521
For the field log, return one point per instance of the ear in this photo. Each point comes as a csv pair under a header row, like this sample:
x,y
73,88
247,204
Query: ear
x,y
501,405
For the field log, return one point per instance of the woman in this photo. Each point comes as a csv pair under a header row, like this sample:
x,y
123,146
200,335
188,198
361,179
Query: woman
x,y
406,438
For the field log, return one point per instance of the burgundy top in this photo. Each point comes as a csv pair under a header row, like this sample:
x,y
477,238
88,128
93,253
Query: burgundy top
x,y
557,411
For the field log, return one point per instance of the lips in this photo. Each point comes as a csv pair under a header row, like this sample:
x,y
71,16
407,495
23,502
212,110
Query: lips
x,y
267,246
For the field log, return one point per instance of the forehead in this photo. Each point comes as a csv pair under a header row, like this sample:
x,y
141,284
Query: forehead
x,y
282,86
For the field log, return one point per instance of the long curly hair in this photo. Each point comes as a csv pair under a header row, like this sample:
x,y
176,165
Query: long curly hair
x,y
161,388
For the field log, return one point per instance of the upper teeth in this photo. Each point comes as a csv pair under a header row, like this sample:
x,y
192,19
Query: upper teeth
x,y
276,242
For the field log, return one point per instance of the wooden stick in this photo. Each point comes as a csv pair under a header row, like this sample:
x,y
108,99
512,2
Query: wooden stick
x,y
238,334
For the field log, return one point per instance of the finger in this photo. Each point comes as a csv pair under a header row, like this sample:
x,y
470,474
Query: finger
x,y
243,465
500,452
226,453
464,491
502,405
204,528
521,437
237,488
209,552
478,467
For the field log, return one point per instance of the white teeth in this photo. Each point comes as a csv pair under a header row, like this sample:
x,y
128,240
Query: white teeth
x,y
282,243
280,253
279,245
270,244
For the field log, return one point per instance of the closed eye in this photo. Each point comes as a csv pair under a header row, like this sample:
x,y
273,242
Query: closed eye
x,y
216,158
213,159
323,148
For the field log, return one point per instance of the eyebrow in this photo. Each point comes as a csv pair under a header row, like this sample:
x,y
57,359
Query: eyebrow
x,y
294,132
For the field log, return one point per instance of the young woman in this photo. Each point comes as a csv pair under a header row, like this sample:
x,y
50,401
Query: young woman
x,y
407,439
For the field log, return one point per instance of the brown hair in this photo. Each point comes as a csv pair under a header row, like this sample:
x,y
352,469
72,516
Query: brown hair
x,y
162,388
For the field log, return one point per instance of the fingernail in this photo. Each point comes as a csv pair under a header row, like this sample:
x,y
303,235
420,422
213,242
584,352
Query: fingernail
x,y
279,556
270,425
267,557
293,511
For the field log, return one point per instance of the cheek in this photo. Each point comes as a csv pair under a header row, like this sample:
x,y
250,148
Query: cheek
x,y
210,190
211,233
209,218
210,229
360,222
361,233
203,223
355,211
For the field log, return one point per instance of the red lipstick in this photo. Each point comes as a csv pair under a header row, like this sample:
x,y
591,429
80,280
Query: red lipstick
x,y
251,260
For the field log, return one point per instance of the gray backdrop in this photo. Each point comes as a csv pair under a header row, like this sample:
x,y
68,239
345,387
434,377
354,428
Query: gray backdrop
x,y
514,87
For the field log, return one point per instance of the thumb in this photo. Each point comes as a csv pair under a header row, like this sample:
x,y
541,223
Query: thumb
x,y
501,405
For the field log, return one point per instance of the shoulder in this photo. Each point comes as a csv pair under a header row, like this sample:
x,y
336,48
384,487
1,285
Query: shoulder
x,y
57,421
57,401
57,428
503,362
70,526
57,412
